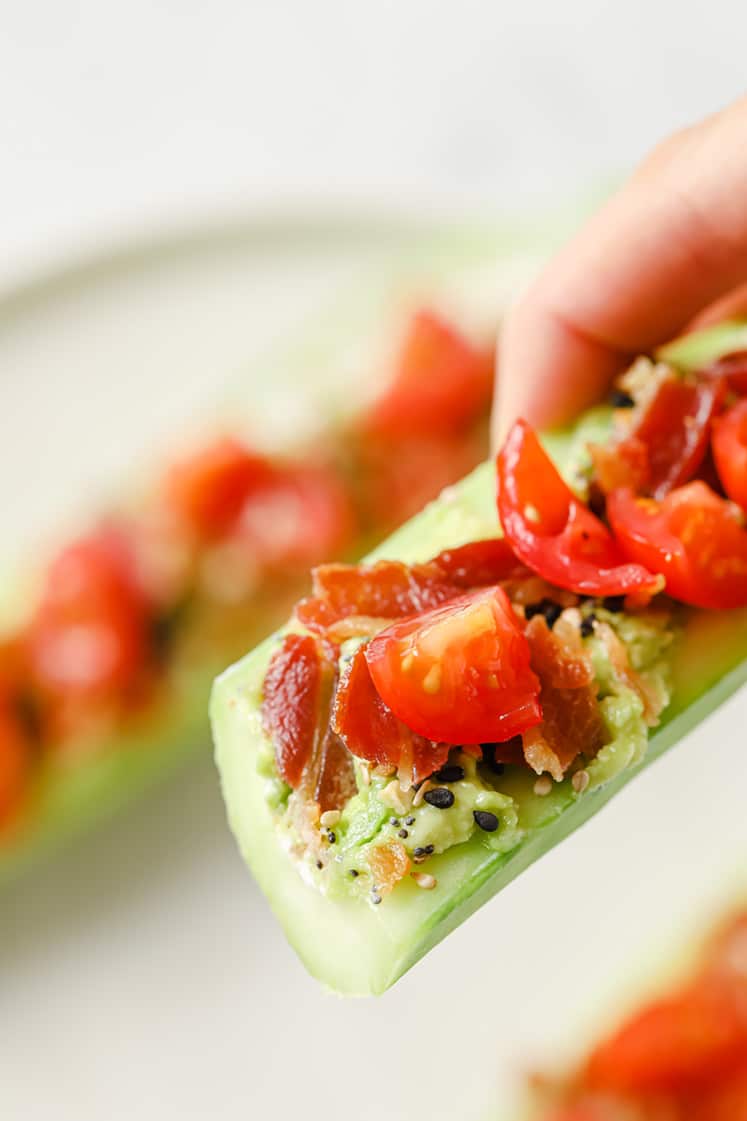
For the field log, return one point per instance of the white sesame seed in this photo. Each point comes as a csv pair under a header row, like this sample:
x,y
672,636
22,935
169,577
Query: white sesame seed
x,y
543,786
392,796
421,792
580,781
424,880
365,774
330,817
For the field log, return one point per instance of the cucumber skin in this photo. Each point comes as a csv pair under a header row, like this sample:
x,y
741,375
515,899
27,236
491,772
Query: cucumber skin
x,y
348,945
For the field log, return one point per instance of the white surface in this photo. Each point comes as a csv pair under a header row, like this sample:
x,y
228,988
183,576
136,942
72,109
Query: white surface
x,y
121,114
141,974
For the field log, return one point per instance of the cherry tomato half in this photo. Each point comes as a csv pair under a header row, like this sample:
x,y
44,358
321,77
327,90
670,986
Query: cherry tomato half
x,y
552,531
90,631
459,673
730,452
208,489
694,539
441,382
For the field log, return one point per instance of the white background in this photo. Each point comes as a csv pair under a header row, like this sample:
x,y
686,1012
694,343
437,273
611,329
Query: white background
x,y
118,114
141,975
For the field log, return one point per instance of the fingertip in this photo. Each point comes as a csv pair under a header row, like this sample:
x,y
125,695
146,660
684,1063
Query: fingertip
x,y
548,372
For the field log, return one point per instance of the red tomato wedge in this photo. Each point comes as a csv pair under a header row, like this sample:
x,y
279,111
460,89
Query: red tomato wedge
x,y
208,489
669,439
459,673
678,1044
291,704
299,515
552,531
730,452
371,731
90,634
441,383
694,539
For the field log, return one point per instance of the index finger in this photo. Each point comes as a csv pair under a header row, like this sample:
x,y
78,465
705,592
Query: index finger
x,y
672,241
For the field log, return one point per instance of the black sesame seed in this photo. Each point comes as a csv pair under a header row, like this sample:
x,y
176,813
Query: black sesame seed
x,y
419,851
403,833
613,603
549,610
394,821
376,898
619,399
452,772
410,820
587,625
353,873
439,797
331,837
429,849
319,864
486,820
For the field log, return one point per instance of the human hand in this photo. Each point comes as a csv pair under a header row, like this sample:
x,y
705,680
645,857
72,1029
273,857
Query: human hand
x,y
671,243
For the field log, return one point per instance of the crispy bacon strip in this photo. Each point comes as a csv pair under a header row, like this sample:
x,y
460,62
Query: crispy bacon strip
x,y
371,731
571,722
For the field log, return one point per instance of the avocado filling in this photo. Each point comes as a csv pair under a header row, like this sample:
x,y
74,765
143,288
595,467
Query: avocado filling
x,y
388,828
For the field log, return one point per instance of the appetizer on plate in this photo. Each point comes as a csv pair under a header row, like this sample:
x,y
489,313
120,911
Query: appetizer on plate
x,y
431,721
682,1056
104,686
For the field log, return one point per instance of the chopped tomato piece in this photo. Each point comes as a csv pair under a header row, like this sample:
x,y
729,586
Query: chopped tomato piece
x,y
552,531
459,673
480,563
733,367
669,437
726,1101
441,383
730,452
90,634
300,515
694,539
371,731
385,590
675,1045
571,720
292,702
15,761
389,864
208,489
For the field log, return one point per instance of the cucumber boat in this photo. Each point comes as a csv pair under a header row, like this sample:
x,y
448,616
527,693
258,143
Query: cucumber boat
x,y
377,816
104,681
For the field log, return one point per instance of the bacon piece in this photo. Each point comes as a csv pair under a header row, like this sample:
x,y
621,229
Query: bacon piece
x,y
387,589
335,782
291,704
620,662
480,563
668,437
571,721
389,864
370,730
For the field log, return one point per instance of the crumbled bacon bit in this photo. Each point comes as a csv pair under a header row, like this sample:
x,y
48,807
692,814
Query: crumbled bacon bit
x,y
571,721
620,662
291,704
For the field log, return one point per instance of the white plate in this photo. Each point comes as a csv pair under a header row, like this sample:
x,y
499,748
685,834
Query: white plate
x,y
141,974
